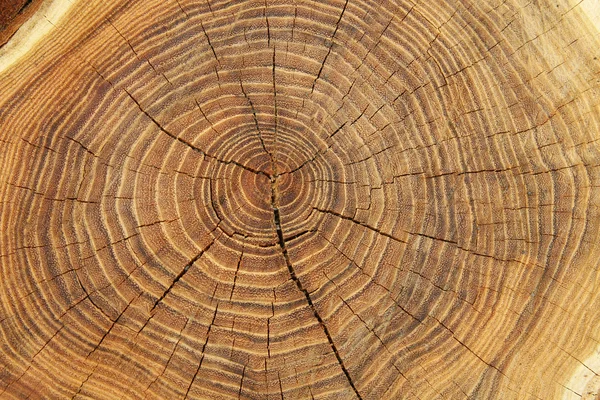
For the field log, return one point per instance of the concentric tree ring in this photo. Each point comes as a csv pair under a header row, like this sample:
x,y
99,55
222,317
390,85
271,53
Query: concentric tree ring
x,y
294,199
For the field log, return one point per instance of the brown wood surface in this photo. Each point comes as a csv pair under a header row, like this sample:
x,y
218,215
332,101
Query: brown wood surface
x,y
13,13
299,199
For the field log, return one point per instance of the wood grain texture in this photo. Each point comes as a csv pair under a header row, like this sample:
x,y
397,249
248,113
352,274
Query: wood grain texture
x,y
299,199
13,14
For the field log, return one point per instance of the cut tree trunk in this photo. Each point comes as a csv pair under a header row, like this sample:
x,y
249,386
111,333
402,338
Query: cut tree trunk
x,y
300,199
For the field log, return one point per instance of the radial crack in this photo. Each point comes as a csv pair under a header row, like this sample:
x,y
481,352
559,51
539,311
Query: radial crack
x,y
318,153
372,228
337,25
190,145
260,136
202,351
185,269
275,102
292,271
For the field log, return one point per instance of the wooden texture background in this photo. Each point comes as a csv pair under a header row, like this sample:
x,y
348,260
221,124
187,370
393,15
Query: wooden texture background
x,y
301,199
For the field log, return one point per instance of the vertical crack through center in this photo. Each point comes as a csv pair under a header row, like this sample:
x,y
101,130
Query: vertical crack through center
x,y
277,220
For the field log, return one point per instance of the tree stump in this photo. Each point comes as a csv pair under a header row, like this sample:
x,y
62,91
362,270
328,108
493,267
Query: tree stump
x,y
301,199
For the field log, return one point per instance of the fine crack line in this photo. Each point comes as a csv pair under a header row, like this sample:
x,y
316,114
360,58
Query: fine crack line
x,y
212,48
190,145
369,328
318,153
237,270
185,269
260,136
372,228
337,25
202,351
241,383
292,271
276,112
170,358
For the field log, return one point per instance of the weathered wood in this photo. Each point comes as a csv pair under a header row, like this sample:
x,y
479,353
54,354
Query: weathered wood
x,y
301,199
